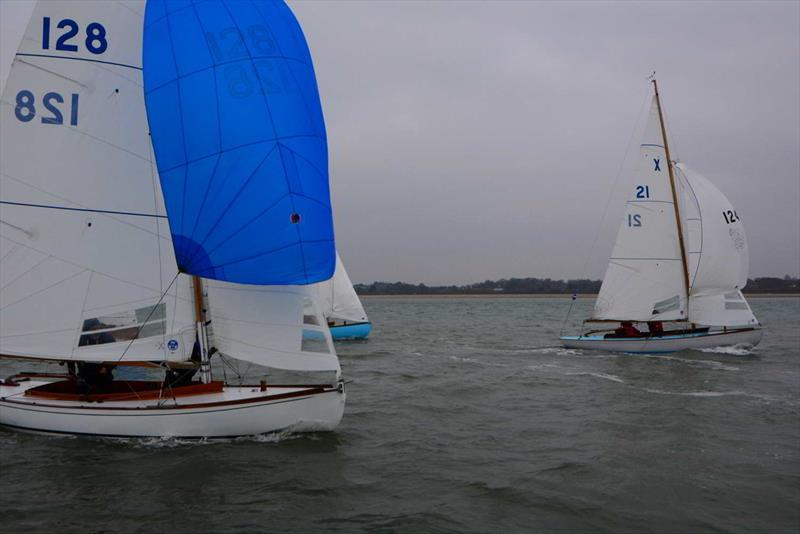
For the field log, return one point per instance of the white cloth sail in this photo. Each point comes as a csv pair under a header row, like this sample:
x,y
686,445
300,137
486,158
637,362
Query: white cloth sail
x,y
274,326
644,280
85,252
720,259
338,298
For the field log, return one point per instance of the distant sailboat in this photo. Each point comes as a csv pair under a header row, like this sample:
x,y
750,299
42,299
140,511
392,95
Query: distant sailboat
x,y
106,260
341,306
680,257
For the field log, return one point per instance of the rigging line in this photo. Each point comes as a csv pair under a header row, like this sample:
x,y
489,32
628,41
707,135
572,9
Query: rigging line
x,y
26,271
152,310
129,8
88,210
15,227
50,56
612,189
156,185
83,310
84,268
569,311
43,289
65,199
11,250
48,71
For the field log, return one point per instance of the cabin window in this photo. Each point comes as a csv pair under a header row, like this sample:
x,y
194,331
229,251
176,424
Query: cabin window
x,y
314,341
672,303
124,326
310,313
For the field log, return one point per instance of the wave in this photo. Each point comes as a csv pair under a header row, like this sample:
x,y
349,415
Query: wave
x,y
171,442
604,376
713,364
712,394
735,350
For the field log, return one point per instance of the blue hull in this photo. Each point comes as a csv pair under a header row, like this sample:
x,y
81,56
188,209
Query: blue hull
x,y
351,331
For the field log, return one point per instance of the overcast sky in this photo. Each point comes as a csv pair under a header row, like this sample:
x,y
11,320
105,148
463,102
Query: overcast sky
x,y
475,140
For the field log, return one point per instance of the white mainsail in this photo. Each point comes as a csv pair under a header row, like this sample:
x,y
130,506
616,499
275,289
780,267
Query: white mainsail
x,y
338,298
644,280
85,251
721,263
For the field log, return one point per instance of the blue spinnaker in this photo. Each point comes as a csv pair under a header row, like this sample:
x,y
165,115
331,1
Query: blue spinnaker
x,y
239,140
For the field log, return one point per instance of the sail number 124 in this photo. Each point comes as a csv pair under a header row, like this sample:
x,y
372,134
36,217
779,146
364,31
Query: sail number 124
x,y
730,216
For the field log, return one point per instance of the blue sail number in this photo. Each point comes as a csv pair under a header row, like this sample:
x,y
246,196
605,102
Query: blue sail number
x,y
95,41
25,110
642,191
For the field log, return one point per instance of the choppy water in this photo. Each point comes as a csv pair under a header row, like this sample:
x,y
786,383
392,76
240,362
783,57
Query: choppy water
x,y
464,416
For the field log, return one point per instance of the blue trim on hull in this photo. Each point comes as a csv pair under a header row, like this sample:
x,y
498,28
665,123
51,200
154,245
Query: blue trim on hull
x,y
351,331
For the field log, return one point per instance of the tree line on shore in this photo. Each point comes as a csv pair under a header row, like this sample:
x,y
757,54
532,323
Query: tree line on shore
x,y
523,286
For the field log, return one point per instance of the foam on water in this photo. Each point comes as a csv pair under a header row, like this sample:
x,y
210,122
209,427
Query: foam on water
x,y
171,442
604,376
735,350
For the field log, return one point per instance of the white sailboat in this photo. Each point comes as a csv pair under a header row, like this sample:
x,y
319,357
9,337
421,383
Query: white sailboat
x,y
680,258
341,306
95,271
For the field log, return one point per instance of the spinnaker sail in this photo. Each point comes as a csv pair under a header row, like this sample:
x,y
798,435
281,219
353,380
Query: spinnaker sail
x,y
240,141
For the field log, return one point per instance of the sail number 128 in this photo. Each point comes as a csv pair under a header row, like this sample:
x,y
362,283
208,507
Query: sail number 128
x,y
25,109
95,40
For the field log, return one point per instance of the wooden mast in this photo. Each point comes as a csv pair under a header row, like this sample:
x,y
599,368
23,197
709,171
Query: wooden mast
x,y
674,199
202,338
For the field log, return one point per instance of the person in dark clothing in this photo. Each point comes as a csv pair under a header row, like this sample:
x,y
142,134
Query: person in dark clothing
x,y
626,329
94,377
656,328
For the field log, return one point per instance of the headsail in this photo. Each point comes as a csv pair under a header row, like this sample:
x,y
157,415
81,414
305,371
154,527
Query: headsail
x,y
275,326
722,257
240,141
644,280
338,299
85,255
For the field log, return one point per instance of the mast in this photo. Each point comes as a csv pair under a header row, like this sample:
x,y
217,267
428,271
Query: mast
x,y
202,335
674,199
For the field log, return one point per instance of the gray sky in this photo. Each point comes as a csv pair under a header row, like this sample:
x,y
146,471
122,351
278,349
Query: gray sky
x,y
475,140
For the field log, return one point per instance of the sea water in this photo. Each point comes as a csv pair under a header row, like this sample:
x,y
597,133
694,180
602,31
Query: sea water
x,y
464,415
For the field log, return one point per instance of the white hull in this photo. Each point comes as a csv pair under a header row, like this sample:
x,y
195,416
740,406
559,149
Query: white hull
x,y
234,411
745,337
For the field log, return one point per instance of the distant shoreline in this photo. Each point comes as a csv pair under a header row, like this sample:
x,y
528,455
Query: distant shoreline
x,y
530,295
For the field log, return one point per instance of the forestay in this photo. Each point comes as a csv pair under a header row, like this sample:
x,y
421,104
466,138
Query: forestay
x,y
85,253
338,298
644,279
240,141
721,266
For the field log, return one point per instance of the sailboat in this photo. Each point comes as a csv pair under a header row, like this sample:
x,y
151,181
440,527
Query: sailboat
x,y
680,258
164,203
341,306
